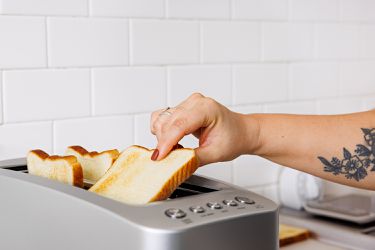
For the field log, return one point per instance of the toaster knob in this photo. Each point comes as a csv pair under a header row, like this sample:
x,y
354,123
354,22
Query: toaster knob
x,y
230,203
197,209
244,200
214,205
175,213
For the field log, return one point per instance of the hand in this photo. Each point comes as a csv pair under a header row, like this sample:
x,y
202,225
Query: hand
x,y
223,135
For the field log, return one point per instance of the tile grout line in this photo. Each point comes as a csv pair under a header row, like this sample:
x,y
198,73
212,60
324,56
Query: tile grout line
x,y
53,141
261,41
201,44
2,96
242,105
89,8
311,60
233,85
134,128
286,20
130,43
231,10
91,92
168,86
166,9
46,41
289,82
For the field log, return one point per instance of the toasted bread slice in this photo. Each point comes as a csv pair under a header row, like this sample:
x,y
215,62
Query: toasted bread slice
x,y
135,179
289,234
65,169
94,164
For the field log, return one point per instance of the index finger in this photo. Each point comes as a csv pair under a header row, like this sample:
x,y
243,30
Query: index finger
x,y
184,122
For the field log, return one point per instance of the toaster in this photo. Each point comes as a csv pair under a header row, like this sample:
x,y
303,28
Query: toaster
x,y
201,214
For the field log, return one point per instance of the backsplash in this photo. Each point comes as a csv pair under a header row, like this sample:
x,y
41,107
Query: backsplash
x,y
89,72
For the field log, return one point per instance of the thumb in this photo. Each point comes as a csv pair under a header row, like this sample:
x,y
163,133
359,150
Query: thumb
x,y
204,155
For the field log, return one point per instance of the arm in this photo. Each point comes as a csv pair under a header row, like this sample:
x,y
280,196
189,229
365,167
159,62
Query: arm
x,y
339,148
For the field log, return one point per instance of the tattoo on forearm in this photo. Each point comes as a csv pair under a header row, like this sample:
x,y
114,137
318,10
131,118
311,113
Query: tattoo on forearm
x,y
354,166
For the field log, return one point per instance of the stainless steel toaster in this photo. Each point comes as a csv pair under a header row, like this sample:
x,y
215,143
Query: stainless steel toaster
x,y
202,214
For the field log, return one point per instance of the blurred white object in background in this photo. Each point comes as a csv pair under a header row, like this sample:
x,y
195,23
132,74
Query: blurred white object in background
x,y
296,187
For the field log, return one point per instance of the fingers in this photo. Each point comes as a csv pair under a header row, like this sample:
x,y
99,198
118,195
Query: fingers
x,y
156,123
171,131
201,153
186,118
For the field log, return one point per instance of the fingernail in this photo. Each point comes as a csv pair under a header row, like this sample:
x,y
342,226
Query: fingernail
x,y
155,155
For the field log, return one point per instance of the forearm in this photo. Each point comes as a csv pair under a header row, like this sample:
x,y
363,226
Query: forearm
x,y
315,144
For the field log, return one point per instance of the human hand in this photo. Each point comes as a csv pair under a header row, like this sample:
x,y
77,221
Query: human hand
x,y
223,135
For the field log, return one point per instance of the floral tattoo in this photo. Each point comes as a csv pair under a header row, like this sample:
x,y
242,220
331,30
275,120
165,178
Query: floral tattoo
x,y
354,166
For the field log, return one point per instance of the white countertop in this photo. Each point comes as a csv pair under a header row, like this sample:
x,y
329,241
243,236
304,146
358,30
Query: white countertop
x,y
328,233
311,244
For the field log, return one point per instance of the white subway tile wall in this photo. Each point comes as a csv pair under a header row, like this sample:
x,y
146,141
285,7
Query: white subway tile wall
x,y
87,42
202,9
314,10
96,133
357,10
90,72
260,83
367,39
128,89
275,41
260,9
22,42
164,42
46,94
1,98
337,41
18,138
45,7
223,42
127,8
214,81
309,80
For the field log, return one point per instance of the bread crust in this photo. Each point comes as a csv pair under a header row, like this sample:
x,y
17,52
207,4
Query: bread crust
x,y
179,177
88,172
71,160
114,153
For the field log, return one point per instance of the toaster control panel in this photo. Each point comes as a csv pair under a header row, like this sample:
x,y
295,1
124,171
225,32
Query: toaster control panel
x,y
239,202
244,200
197,209
175,213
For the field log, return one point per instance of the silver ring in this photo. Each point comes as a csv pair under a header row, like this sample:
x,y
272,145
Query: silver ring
x,y
166,112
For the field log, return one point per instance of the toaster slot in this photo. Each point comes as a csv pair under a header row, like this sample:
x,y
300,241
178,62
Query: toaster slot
x,y
185,189
21,168
17,168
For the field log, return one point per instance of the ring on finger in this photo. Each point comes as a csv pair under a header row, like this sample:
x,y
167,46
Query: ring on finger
x,y
166,112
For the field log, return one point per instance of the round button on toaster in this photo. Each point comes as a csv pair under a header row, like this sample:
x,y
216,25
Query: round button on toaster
x,y
230,203
244,200
197,209
214,205
175,213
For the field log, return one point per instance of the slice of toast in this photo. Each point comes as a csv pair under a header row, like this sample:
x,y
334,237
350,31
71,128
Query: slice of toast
x,y
289,234
94,164
65,169
135,179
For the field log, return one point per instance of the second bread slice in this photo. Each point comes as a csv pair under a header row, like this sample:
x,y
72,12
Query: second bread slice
x,y
94,164
135,179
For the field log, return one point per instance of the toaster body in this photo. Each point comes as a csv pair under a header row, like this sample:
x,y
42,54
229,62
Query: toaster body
x,y
202,214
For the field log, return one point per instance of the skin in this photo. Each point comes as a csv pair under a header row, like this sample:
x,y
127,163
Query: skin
x,y
294,141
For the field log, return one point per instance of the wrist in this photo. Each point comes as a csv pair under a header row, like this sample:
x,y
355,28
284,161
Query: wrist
x,y
253,129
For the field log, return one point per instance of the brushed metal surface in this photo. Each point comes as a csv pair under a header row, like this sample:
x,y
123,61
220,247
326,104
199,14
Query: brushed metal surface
x,y
37,213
